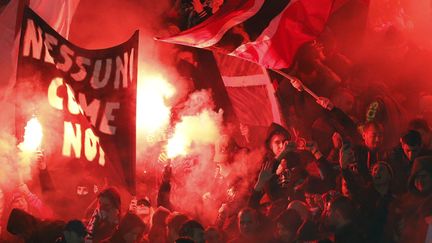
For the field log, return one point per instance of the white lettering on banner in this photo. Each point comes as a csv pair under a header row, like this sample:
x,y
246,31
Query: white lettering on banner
x,y
117,69
131,64
53,99
32,40
91,110
121,71
72,138
73,107
90,143
50,42
67,55
104,127
82,73
72,141
95,81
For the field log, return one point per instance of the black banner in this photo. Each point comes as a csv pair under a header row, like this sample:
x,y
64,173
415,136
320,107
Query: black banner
x,y
84,99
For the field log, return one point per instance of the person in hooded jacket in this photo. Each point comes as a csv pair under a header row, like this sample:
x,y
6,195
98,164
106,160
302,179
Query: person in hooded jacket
x,y
30,229
272,181
283,172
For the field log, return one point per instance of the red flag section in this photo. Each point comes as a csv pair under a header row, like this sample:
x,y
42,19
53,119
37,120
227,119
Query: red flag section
x,y
249,90
300,22
211,31
269,36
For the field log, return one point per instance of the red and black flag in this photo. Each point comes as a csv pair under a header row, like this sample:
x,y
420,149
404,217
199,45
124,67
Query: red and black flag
x,y
262,31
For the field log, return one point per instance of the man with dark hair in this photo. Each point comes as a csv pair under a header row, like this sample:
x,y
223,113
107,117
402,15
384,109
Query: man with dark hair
x,y
341,219
403,156
106,216
74,232
194,230
421,126
281,165
283,173
411,144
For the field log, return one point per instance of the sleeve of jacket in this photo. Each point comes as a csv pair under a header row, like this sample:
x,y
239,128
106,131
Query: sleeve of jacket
x,y
163,196
347,125
46,181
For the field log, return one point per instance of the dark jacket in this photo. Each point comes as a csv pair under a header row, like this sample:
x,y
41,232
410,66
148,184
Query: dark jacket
x,y
273,188
36,230
402,168
415,206
349,233
373,206
365,159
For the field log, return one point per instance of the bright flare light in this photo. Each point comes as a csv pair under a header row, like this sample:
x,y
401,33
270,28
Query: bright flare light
x,y
177,146
152,113
32,136
201,129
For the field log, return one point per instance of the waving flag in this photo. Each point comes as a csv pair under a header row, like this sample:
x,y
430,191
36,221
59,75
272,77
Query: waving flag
x,y
265,32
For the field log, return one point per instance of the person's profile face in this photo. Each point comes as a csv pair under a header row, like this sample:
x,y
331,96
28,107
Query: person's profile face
x,y
278,143
411,152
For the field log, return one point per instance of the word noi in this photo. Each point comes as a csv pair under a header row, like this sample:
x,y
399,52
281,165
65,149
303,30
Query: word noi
x,y
74,134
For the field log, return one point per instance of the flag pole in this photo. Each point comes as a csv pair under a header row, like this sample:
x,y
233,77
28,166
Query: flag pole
x,y
289,77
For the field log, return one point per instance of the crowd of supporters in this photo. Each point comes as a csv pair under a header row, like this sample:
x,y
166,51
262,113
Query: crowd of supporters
x,y
354,165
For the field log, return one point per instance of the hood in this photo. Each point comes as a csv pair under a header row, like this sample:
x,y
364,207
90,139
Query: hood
x,y
274,129
420,163
20,222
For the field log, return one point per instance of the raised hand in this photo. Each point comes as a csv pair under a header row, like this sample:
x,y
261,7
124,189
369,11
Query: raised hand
x,y
312,147
264,176
296,83
167,172
325,103
245,131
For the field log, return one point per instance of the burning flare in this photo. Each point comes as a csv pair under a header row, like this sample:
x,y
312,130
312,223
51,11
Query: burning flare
x,y
200,129
152,113
32,136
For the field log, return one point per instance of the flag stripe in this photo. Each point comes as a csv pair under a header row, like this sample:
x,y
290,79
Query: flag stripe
x,y
300,22
211,31
270,38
